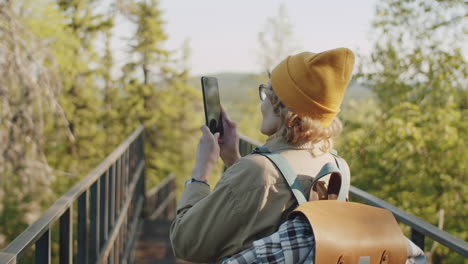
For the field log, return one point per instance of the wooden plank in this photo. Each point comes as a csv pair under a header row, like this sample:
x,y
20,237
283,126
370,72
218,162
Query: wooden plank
x,y
66,237
82,255
154,245
42,254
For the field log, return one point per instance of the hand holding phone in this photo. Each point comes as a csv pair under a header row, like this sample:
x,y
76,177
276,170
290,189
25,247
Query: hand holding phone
x,y
229,144
212,105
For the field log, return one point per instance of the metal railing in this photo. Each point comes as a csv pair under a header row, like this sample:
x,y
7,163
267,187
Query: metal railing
x,y
161,200
419,228
109,203
110,200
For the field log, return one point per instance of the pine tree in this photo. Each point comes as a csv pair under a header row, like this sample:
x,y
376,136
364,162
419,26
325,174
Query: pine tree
x,y
113,114
158,96
81,95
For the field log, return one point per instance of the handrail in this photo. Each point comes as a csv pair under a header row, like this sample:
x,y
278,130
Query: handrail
x,y
419,228
248,141
162,198
119,181
416,224
161,185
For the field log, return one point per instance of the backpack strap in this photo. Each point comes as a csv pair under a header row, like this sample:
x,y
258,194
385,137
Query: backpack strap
x,y
288,173
338,168
334,170
345,176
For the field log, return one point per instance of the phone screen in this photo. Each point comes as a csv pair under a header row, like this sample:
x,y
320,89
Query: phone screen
x,y
212,104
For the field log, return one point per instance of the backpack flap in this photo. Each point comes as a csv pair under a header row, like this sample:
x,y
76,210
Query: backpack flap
x,y
353,233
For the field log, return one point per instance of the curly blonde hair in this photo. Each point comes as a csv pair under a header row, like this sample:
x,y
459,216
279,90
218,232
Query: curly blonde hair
x,y
300,130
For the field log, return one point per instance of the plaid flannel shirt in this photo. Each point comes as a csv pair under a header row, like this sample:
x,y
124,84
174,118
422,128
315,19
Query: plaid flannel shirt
x,y
294,243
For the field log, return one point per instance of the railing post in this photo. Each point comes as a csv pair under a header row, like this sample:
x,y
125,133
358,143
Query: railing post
x,y
140,157
82,228
66,244
117,250
94,215
112,204
43,249
417,238
103,206
173,203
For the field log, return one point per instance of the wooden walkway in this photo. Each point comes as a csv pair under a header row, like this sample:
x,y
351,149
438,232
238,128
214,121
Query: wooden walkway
x,y
153,245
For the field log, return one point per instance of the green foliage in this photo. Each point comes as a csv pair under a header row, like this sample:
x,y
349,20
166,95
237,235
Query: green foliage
x,y
411,157
408,144
163,101
28,97
100,109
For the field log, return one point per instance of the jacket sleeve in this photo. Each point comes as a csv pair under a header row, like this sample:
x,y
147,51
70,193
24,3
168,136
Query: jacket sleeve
x,y
207,224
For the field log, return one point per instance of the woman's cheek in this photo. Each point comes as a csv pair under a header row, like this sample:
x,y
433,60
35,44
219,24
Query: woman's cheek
x,y
262,109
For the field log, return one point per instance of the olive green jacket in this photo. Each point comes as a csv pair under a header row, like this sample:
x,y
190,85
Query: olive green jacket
x,y
249,202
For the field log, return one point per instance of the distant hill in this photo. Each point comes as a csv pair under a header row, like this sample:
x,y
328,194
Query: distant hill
x,y
357,91
240,86
234,86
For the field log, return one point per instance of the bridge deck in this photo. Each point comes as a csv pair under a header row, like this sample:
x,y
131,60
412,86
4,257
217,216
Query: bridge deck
x,y
153,245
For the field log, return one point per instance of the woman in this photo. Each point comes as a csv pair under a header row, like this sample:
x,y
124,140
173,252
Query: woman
x,y
251,200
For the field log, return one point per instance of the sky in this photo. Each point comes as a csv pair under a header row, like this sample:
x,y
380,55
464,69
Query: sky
x,y
223,35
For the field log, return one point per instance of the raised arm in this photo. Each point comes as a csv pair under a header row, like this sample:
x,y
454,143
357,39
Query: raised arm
x,y
209,226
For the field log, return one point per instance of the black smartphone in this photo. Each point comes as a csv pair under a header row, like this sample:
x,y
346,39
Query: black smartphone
x,y
212,104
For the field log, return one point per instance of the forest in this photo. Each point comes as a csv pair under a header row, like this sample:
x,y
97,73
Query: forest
x,y
66,102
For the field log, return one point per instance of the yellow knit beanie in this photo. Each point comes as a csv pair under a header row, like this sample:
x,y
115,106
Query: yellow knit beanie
x,y
313,84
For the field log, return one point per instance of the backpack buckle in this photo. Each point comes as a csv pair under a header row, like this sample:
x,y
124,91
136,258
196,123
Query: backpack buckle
x,y
259,150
